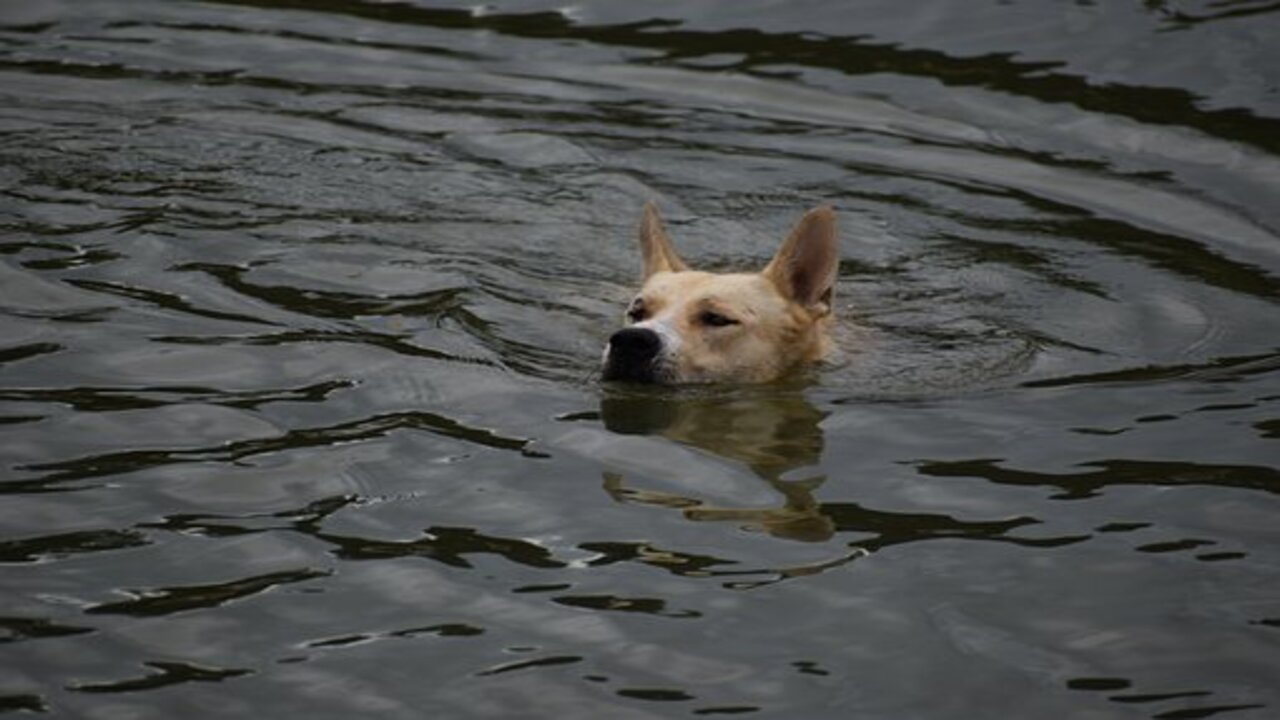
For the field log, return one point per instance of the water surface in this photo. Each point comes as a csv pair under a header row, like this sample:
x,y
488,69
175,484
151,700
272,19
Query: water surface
x,y
301,305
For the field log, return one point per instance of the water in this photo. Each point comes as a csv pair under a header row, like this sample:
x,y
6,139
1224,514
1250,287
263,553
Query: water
x,y
301,305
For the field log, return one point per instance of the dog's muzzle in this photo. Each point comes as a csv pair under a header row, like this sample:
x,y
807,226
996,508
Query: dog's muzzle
x,y
633,355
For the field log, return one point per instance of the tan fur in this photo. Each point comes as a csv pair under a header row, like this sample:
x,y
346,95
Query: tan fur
x,y
777,319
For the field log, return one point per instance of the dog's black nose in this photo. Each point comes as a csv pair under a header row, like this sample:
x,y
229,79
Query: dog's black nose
x,y
632,355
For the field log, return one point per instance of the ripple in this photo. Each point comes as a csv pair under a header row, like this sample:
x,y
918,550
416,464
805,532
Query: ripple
x,y
163,300
170,673
1111,473
893,528
656,694
551,661
29,628
63,545
90,399
446,545
128,461
1226,369
30,350
167,601
23,702
612,603
1100,684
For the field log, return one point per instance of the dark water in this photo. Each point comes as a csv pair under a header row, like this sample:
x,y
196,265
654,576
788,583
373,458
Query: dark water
x,y
300,305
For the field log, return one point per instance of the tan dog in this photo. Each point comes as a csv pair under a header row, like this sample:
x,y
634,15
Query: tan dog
x,y
696,327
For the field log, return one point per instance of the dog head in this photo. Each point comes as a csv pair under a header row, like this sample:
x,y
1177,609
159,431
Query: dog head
x,y
687,326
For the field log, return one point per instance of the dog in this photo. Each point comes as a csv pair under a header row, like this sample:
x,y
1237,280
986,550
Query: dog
x,y
687,326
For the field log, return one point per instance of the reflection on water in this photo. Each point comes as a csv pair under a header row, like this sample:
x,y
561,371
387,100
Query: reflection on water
x,y
301,305
771,431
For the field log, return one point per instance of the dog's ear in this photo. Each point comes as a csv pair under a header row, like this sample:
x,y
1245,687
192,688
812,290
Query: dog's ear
x,y
804,270
655,247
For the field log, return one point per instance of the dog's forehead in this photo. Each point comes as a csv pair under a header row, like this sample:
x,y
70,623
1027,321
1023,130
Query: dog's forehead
x,y
749,290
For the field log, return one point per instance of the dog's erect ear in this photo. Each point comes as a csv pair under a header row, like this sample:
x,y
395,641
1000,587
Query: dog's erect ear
x,y
655,247
804,270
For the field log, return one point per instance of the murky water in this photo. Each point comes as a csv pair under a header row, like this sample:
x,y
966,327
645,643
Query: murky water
x,y
300,306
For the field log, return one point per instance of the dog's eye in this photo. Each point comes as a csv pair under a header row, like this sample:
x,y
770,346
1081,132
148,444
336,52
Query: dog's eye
x,y
715,319
636,312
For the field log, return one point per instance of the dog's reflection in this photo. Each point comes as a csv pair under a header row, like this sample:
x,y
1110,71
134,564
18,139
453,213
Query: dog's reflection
x,y
772,431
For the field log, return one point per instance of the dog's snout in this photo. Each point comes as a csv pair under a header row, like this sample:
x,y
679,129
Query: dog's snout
x,y
632,355
640,343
